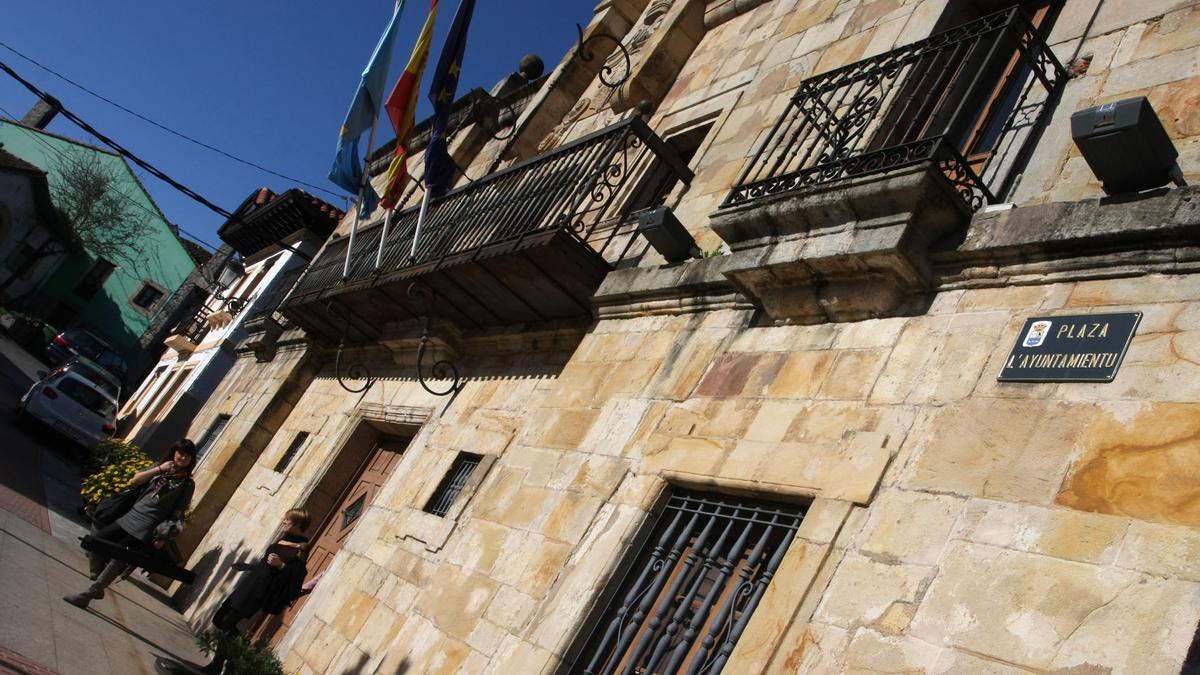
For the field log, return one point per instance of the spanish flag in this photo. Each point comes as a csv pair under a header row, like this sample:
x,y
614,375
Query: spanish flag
x,y
401,109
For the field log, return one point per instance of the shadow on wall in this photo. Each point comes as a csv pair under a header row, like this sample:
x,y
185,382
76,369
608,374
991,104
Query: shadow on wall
x,y
361,666
103,315
482,368
212,569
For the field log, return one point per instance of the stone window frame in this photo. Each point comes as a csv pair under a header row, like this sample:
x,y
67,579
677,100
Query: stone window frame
x,y
785,610
212,434
605,609
713,111
468,462
433,530
147,311
287,460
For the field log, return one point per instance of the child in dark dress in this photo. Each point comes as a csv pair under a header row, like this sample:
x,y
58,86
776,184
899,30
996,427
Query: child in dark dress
x,y
268,585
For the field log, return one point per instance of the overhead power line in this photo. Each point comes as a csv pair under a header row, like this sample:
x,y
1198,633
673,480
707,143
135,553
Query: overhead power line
x,y
131,201
169,130
121,150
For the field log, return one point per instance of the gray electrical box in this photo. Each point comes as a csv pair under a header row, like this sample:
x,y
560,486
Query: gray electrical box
x,y
1126,146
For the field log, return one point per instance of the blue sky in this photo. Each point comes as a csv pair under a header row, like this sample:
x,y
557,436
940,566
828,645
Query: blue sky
x,y
267,80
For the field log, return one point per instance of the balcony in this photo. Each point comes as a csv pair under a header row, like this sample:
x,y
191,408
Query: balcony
x,y
872,163
263,324
264,219
227,313
190,332
528,244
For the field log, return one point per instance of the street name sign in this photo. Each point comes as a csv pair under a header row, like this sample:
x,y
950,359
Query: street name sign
x,y
1087,348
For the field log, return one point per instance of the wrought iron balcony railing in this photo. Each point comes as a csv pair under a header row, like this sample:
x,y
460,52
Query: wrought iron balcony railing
x,y
587,188
195,327
951,100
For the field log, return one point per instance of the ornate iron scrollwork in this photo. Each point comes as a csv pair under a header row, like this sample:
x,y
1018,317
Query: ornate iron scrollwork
x,y
356,371
511,127
442,369
584,53
608,179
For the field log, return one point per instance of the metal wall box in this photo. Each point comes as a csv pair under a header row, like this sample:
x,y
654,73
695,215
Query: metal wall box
x,y
666,234
1126,145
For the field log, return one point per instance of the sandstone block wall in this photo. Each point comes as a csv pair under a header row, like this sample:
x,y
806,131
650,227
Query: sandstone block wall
x,y
956,522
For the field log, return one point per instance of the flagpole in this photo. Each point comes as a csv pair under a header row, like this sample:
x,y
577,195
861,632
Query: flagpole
x,y
387,220
412,253
362,188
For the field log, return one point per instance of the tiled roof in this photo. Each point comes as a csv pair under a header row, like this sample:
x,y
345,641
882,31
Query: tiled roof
x,y
266,218
198,253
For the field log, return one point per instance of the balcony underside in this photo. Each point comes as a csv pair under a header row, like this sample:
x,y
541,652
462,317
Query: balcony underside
x,y
544,276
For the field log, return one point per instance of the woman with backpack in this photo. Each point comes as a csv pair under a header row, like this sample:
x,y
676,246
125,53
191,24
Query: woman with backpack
x,y
165,495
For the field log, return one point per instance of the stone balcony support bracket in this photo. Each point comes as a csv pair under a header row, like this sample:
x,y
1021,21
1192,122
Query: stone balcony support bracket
x,y
403,339
854,250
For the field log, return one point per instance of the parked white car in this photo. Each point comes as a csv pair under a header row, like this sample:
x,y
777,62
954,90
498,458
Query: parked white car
x,y
78,400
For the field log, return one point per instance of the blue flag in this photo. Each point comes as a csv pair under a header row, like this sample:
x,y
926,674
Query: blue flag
x,y
347,171
439,167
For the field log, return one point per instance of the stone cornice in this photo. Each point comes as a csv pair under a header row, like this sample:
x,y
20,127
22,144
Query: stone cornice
x,y
1112,237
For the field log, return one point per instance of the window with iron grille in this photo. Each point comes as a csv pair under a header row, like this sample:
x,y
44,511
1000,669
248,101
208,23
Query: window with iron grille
x,y
691,589
297,443
452,485
210,436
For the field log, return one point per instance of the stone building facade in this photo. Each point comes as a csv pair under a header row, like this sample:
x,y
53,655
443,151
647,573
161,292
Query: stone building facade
x,y
791,452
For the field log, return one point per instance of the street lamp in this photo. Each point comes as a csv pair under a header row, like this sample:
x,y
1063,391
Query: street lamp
x,y
230,273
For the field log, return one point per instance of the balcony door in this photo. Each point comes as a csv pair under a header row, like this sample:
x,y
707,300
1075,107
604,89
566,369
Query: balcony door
x,y
337,527
967,93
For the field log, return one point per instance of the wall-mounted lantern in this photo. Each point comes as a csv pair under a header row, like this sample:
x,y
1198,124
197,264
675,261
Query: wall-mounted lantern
x,y
667,235
1126,146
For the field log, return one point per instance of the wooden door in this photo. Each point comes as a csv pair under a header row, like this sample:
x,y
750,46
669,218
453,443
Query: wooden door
x,y
337,526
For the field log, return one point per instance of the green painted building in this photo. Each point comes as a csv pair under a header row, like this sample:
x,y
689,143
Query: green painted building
x,y
114,298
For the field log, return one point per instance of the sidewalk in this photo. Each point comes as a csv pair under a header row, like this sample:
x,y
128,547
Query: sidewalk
x,y
40,561
120,634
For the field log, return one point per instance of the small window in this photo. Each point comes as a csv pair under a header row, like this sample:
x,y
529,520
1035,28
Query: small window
x,y
690,590
147,296
210,437
94,278
352,512
297,443
452,485
22,261
660,180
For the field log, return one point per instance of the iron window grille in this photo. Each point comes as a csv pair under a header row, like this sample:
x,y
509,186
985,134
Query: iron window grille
x,y
953,95
452,485
690,591
210,436
291,451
